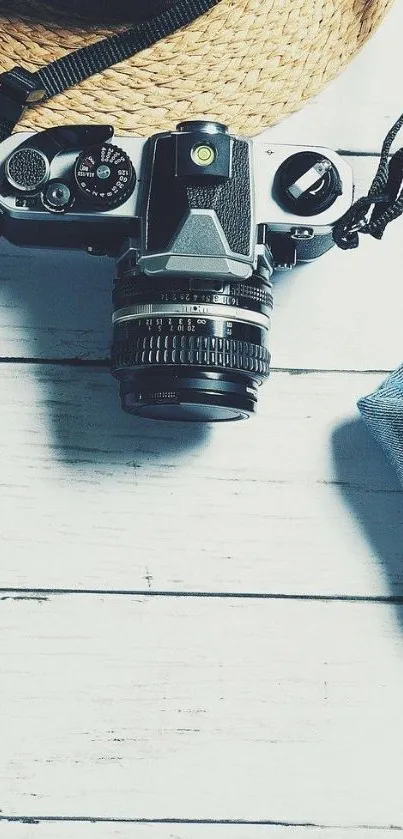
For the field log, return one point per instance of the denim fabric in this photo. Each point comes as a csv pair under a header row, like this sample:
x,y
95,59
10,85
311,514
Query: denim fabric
x,y
383,413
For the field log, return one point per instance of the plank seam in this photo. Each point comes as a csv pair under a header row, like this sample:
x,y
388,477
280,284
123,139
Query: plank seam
x,y
178,821
43,594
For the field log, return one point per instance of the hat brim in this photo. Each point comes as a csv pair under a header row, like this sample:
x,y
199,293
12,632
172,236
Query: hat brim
x,y
247,63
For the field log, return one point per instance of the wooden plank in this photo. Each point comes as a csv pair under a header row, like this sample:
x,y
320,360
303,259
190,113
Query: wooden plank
x,y
145,708
298,500
71,830
55,305
101,697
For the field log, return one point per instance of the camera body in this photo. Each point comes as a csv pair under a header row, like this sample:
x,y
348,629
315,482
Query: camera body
x,y
197,220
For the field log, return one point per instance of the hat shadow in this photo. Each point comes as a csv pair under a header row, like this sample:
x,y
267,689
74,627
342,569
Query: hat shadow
x,y
374,496
367,483
57,315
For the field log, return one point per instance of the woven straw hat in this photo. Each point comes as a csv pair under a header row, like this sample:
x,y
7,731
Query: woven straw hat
x,y
247,63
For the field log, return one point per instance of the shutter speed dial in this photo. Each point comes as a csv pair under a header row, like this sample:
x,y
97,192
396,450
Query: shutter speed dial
x,y
105,176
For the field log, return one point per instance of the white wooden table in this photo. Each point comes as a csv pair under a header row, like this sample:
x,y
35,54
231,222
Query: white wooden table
x,y
201,627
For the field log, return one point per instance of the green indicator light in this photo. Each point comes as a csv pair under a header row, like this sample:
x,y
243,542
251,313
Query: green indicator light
x,y
203,155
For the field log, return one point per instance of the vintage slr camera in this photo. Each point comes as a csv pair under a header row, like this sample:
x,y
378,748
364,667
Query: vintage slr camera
x,y
197,219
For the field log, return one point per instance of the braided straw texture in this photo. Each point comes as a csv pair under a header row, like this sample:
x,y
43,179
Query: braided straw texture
x,y
247,63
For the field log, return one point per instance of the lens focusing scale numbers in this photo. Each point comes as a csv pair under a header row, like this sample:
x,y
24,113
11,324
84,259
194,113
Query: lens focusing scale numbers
x,y
105,176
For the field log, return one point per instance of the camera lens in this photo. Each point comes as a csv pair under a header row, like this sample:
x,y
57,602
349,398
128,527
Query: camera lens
x,y
190,349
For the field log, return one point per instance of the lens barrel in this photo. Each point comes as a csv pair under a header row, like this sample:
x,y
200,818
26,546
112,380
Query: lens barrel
x,y
190,349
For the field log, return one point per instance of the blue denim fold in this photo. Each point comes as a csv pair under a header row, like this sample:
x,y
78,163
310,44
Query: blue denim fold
x,y
382,411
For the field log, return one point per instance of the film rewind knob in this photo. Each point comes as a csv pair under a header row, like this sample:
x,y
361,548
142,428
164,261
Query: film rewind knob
x,y
307,183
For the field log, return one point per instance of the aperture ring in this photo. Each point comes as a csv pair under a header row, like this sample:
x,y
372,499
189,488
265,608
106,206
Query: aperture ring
x,y
132,291
191,350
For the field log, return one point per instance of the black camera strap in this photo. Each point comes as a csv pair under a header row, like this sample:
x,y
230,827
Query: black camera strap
x,y
20,89
383,203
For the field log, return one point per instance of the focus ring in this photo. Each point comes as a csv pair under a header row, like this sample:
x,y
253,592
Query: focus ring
x,y
191,350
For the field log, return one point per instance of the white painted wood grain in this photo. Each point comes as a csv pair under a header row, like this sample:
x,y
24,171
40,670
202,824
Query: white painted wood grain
x,y
299,500
99,830
201,709
342,312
